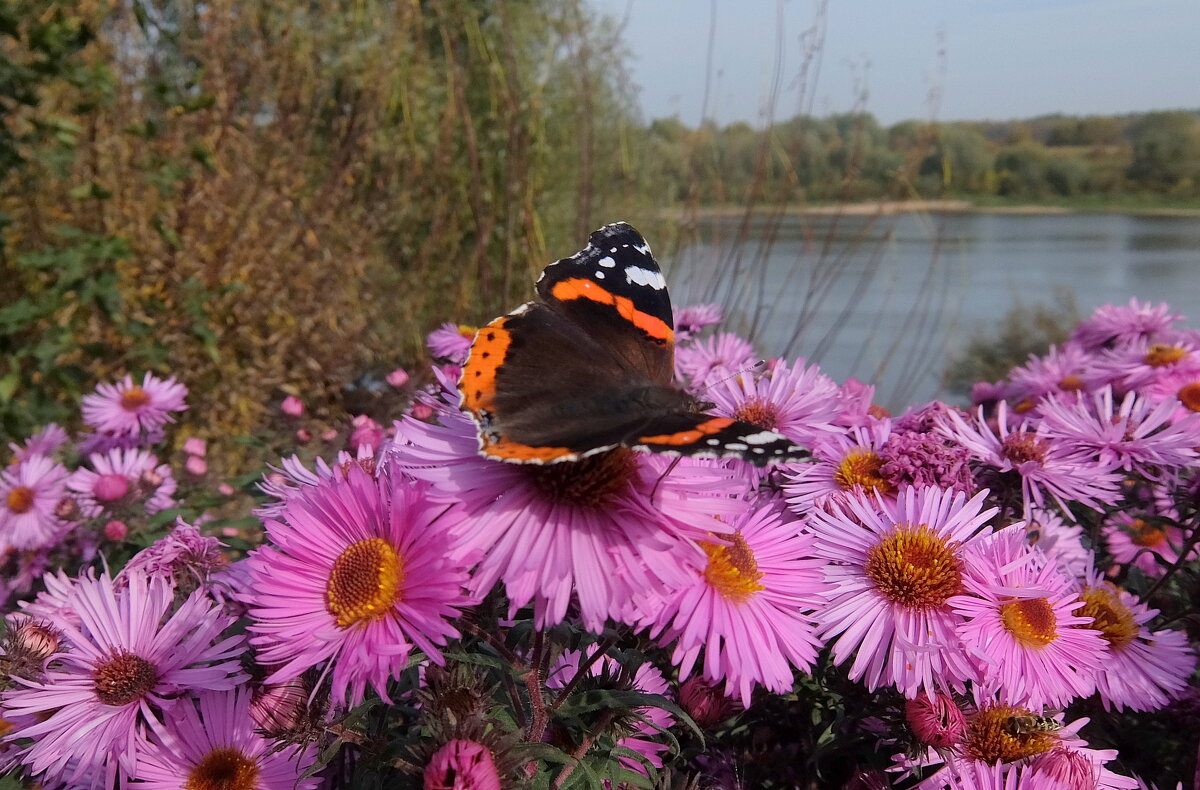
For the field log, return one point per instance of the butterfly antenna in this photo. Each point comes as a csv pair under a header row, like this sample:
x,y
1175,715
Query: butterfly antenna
x,y
654,491
739,372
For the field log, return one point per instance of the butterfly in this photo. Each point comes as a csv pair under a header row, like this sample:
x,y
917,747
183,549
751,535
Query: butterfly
x,y
589,367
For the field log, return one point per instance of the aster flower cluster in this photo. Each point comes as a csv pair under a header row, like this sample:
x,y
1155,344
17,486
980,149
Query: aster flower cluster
x,y
950,598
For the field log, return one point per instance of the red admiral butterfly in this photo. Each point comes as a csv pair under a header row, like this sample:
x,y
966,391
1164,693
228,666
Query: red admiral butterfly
x,y
591,367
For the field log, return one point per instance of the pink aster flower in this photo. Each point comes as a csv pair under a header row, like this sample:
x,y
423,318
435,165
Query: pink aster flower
x,y
856,407
1180,388
692,319
1059,373
359,571
44,442
1142,362
213,743
843,465
701,362
798,402
603,529
916,454
128,659
397,378
451,342
1134,435
749,609
126,408
1021,624
196,446
935,719
367,434
30,493
121,478
1145,669
1148,544
1059,540
647,679
1046,466
1117,325
893,566
183,556
461,764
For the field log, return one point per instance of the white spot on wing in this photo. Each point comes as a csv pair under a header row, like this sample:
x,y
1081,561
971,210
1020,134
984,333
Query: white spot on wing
x,y
607,262
765,437
599,275
638,275
644,249
737,446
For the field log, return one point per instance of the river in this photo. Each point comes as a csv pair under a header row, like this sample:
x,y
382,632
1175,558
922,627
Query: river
x,y
890,299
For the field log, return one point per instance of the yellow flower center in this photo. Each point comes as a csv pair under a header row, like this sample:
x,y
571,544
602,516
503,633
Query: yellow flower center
x,y
991,736
1189,396
365,582
1031,621
760,413
1024,406
19,499
860,468
732,570
467,331
1112,618
123,679
1145,534
224,768
1160,355
914,567
134,398
587,483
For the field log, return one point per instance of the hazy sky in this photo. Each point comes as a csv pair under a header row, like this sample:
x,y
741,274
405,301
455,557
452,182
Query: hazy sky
x,y
1003,58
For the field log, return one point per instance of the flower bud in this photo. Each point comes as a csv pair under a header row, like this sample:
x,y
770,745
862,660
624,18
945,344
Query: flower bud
x,y
936,721
462,765
116,530
292,406
110,488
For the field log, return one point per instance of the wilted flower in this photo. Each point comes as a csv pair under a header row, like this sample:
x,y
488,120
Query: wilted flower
x,y
462,765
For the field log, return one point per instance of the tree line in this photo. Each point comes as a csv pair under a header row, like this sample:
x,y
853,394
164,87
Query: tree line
x,y
1155,155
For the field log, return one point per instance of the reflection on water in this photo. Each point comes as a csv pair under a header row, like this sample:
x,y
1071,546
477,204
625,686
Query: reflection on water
x,y
887,299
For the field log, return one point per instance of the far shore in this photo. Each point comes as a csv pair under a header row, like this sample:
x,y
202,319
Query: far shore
x,y
892,207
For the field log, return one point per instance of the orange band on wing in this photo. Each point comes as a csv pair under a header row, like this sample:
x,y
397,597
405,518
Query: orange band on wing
x,y
705,428
579,288
515,451
478,381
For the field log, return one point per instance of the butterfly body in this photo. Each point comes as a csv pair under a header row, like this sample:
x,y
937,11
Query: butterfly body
x,y
590,367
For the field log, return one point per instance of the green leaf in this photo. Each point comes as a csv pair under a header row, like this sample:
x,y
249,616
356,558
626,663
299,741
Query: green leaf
x,y
8,386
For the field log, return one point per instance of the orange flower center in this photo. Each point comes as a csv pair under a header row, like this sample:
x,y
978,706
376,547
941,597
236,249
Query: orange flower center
x,y
1160,355
1024,406
914,567
760,413
587,483
1031,621
991,736
1189,396
19,499
1024,447
365,582
134,398
224,768
1146,534
860,469
732,570
123,679
1112,618
1071,383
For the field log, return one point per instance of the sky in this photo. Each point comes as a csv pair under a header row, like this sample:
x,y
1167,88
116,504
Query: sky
x,y
984,59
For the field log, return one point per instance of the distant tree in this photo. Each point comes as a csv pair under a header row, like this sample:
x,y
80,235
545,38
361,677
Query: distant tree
x,y
1166,150
1021,170
1068,176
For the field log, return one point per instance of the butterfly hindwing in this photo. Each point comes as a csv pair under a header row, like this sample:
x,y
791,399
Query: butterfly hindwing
x,y
709,436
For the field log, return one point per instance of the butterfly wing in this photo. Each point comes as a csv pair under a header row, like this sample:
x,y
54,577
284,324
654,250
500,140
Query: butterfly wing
x,y
708,436
542,389
615,289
